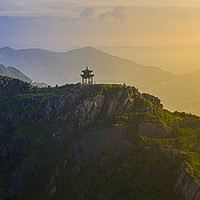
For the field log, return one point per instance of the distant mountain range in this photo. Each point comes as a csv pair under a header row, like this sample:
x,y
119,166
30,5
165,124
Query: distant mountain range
x,y
61,68
179,59
181,93
17,74
14,73
176,92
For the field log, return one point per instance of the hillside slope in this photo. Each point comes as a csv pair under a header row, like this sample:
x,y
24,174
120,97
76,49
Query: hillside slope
x,y
95,142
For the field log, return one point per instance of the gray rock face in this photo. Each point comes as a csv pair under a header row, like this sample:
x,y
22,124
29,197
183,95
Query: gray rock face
x,y
59,104
126,100
187,186
89,109
129,100
21,176
102,145
71,105
154,130
122,102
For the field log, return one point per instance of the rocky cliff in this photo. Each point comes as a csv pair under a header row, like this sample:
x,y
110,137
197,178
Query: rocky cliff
x,y
186,185
92,142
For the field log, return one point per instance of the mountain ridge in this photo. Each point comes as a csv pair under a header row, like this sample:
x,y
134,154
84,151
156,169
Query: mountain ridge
x,y
17,74
111,140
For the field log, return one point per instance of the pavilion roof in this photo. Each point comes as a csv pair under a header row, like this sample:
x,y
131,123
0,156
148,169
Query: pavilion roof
x,y
87,70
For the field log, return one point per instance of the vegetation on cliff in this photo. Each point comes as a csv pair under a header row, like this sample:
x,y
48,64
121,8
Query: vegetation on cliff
x,y
93,142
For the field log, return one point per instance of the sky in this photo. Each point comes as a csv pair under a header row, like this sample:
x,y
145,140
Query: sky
x,y
61,24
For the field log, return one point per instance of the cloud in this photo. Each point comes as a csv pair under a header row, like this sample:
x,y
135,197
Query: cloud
x,y
87,14
118,13
5,19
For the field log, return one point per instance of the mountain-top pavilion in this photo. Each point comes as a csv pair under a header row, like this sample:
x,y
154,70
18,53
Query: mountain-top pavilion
x,y
87,77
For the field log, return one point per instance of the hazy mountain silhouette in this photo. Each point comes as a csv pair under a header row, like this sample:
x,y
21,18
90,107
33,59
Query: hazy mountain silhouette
x,y
14,73
179,59
17,74
182,93
61,68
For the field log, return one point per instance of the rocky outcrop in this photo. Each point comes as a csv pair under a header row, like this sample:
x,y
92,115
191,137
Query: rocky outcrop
x,y
122,102
102,145
154,130
155,100
21,176
130,100
60,104
89,109
187,186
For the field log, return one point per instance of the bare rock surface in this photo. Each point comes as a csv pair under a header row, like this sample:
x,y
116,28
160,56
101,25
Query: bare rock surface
x,y
89,109
57,105
187,186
